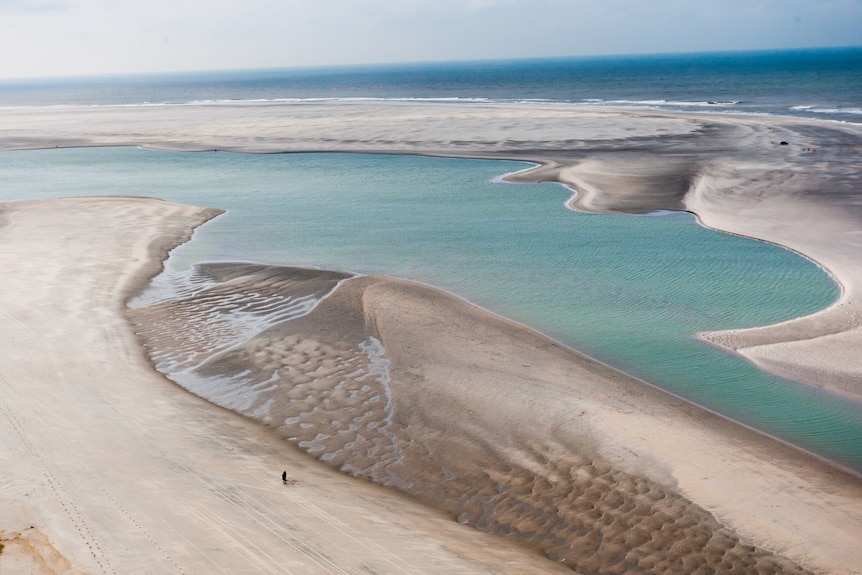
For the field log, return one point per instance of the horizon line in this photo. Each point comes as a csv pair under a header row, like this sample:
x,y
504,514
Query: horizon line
x,y
423,62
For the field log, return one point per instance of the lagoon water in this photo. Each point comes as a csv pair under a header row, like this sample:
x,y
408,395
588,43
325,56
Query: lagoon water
x,y
629,290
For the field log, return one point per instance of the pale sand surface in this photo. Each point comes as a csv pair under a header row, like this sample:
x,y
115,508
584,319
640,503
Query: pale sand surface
x,y
729,170
106,467
109,468
619,438
508,430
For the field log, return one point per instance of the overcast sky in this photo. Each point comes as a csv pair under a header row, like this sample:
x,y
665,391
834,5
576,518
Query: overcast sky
x,y
74,37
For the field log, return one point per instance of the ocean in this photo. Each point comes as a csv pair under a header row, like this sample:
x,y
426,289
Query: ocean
x,y
821,83
631,291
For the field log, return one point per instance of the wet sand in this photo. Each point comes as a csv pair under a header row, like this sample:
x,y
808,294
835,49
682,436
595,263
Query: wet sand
x,y
505,430
106,467
484,419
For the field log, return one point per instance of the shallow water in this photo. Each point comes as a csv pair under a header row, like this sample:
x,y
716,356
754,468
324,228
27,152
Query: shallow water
x,y
629,290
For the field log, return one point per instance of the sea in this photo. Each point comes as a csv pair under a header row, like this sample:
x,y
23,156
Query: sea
x,y
631,291
814,83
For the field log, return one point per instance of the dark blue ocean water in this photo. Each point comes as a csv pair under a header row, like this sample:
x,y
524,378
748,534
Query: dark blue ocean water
x,y
823,83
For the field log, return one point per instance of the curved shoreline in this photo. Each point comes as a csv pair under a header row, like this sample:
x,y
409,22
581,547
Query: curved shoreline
x,y
463,379
727,169
726,339
112,468
778,497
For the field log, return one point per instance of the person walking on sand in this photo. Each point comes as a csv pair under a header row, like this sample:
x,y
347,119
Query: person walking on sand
x,y
284,477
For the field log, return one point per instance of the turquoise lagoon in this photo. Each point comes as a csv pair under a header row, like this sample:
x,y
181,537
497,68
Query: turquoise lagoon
x,y
631,291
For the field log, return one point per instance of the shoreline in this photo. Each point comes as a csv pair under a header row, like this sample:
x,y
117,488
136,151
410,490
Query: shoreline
x,y
714,337
626,428
643,107
351,275
112,467
782,498
620,160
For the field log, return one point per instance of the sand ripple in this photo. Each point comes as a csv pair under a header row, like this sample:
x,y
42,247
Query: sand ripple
x,y
286,347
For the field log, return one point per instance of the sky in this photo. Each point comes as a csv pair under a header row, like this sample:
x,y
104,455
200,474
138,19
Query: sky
x,y
86,37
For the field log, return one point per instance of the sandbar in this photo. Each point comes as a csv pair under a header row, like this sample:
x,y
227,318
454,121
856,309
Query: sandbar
x,y
107,467
93,423
731,171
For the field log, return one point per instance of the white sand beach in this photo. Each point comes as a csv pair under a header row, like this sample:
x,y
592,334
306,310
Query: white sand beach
x,y
111,467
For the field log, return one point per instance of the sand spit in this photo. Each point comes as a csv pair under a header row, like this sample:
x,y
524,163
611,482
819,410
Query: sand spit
x,y
107,468
729,170
502,428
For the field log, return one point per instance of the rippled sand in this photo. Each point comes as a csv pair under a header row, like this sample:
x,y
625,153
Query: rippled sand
x,y
729,170
343,386
106,467
498,426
